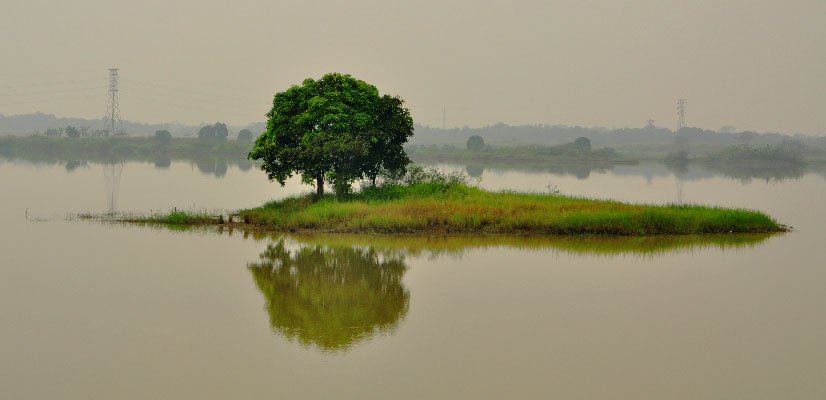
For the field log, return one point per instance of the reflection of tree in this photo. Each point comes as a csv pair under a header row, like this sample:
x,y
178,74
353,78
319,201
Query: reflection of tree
x,y
162,163
474,170
767,171
331,296
71,166
245,165
212,167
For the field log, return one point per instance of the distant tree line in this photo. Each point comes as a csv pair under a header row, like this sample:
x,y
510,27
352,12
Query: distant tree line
x,y
501,134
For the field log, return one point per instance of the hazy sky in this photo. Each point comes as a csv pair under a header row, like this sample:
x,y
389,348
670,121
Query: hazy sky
x,y
754,64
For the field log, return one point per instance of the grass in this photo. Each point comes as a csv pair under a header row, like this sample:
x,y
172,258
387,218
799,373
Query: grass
x,y
428,202
178,217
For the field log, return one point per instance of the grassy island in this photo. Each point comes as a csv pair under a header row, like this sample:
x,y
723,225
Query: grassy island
x,y
428,202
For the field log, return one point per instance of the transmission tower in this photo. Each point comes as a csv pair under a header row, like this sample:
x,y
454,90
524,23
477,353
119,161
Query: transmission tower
x,y
681,107
112,122
444,117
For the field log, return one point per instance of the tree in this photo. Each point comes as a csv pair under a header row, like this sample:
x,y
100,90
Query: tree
x,y
218,131
72,132
336,129
245,136
475,143
394,126
163,136
221,131
583,144
206,132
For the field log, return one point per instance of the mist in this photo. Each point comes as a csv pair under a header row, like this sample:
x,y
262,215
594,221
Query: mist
x,y
615,64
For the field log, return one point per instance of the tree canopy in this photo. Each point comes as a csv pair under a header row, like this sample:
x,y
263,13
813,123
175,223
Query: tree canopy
x,y
72,132
218,131
337,129
245,136
163,136
475,143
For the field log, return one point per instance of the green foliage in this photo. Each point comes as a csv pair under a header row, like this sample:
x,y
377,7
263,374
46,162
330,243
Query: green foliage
x,y
178,217
583,144
331,296
245,136
337,129
72,132
788,151
163,136
218,131
475,143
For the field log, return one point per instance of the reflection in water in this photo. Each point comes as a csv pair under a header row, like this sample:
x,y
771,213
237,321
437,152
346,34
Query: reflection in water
x,y
245,165
745,172
217,168
163,163
111,178
578,170
71,166
331,296
475,171
333,291
434,246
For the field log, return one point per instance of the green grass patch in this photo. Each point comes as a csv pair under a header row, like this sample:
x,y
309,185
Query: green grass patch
x,y
457,208
178,217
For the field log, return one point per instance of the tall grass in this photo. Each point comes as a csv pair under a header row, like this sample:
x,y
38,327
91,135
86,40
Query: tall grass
x,y
431,202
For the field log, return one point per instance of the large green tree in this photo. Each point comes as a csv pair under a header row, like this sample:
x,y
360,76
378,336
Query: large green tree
x,y
336,129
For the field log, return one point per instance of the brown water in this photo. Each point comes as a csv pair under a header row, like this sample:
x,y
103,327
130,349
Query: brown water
x,y
89,310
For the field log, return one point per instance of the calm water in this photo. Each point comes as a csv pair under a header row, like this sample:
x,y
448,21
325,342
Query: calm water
x,y
89,310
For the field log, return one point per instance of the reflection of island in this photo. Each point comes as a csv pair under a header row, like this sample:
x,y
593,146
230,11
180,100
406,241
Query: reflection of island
x,y
578,170
331,296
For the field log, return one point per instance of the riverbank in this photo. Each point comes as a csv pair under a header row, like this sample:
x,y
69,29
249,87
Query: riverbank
x,y
44,148
444,208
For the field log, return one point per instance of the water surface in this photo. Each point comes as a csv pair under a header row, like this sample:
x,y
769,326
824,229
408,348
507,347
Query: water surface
x,y
89,310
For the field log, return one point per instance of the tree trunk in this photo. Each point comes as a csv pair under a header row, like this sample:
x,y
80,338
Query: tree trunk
x,y
319,186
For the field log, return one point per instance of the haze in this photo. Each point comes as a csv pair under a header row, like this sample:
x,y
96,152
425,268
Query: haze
x,y
754,65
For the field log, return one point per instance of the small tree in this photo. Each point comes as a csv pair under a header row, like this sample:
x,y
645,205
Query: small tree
x,y
245,136
163,136
336,129
475,143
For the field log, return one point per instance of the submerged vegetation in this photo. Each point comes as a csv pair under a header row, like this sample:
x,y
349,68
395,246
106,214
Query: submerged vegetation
x,y
430,202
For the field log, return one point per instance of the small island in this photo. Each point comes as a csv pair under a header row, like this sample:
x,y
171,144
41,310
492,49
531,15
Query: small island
x,y
427,202
340,130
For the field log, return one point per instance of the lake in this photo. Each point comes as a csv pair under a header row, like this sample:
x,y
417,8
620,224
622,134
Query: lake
x,y
96,310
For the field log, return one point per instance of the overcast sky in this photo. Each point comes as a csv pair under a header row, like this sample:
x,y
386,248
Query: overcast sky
x,y
753,64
